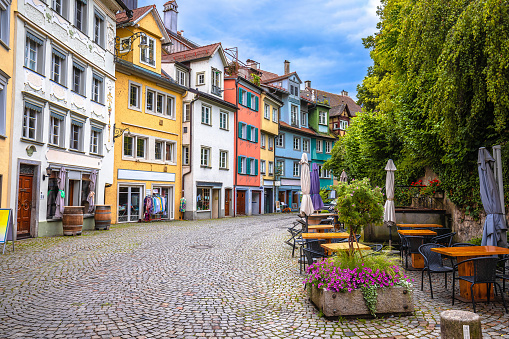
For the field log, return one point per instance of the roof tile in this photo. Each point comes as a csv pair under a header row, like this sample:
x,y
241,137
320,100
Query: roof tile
x,y
122,18
192,54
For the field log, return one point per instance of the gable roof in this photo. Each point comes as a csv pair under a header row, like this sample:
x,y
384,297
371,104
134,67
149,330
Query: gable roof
x,y
188,43
281,77
138,14
194,54
338,100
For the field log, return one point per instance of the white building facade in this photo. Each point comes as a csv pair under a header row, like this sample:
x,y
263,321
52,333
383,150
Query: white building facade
x,y
208,132
64,109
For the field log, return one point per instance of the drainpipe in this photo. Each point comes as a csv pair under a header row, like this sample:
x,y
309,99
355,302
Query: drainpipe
x,y
190,139
235,160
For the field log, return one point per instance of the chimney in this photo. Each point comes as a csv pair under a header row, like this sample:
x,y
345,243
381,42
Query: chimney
x,y
253,64
287,67
170,15
307,84
344,93
131,4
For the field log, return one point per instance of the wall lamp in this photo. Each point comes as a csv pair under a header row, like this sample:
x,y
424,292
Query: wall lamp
x,y
125,45
118,132
48,173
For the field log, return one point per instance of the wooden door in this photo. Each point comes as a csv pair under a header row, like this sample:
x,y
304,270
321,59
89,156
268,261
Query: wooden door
x,y
241,202
24,205
227,203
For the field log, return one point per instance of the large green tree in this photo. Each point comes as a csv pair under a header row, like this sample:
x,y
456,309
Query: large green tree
x,y
437,91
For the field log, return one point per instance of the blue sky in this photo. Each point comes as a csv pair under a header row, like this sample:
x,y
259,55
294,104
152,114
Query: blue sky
x,y
320,38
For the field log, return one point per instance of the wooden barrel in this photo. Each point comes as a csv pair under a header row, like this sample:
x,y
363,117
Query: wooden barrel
x,y
102,217
72,220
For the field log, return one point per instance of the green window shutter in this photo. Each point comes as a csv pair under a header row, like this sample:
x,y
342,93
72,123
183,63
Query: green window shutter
x,y
239,164
256,135
256,166
240,96
256,103
240,130
248,166
248,129
248,99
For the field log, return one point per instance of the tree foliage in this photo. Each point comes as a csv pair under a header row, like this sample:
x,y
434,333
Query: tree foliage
x,y
437,91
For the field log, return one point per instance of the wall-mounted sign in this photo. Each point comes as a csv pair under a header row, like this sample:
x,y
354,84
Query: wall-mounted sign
x,y
277,183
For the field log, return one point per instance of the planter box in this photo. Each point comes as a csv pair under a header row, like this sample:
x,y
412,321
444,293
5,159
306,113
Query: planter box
x,y
394,300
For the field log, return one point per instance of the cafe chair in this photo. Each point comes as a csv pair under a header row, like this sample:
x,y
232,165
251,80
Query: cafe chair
x,y
503,270
462,244
485,272
310,251
441,230
433,263
403,246
444,239
414,242
376,249
340,240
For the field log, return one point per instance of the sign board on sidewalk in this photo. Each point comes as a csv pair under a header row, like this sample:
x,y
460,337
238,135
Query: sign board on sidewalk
x,y
6,228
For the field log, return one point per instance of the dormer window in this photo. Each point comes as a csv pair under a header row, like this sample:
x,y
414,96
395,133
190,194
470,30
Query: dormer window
x,y
148,55
216,82
181,76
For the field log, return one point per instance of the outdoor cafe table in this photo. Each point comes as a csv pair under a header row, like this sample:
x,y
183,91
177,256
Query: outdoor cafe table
x,y
320,228
417,258
314,219
467,269
326,236
420,225
343,246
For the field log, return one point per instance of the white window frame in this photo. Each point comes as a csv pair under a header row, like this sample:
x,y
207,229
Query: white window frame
x,y
303,118
62,72
205,157
145,53
81,70
99,31
5,26
271,168
173,152
296,169
35,113
215,85
63,11
185,155
96,132
262,140
224,120
280,140
57,115
296,143
343,125
322,118
181,76
186,112
271,143
206,115
281,164
77,126
36,44
97,88
262,166
294,111
266,111
328,147
305,145
319,148
3,106
223,159
243,163
275,115
83,19
134,155
200,78
138,97
150,105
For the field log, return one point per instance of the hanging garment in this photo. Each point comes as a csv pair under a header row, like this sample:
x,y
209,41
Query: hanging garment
x,y
182,207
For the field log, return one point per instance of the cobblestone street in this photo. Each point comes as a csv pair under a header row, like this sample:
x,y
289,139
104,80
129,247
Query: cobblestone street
x,y
216,278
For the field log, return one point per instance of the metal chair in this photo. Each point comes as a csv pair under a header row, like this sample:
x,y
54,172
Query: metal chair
x,y
309,251
414,242
485,272
376,249
462,244
503,270
403,246
433,263
444,239
441,230
339,240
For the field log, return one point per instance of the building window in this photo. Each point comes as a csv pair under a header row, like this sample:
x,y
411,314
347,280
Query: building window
x,y
305,145
96,140
280,167
271,168
328,146
223,120
148,55
170,107
99,28
77,190
58,67
34,53
205,115
130,204
343,124
169,153
97,88
78,75
185,155
181,77
271,143
31,120
323,172
303,118
205,157
322,118
262,140
223,159
242,165
280,140
319,146
216,82
150,100
275,115
5,12
130,142
80,15
158,150
335,125
200,78
295,115
160,99
203,199
266,112
253,166
187,112
57,122
134,96
296,169
262,166
76,135
296,144
3,106
253,134
141,145
60,7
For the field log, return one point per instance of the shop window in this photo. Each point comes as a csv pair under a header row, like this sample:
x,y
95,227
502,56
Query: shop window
x,y
203,199
129,202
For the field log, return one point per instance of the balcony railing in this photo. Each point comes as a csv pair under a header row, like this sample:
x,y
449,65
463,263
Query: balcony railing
x,y
216,90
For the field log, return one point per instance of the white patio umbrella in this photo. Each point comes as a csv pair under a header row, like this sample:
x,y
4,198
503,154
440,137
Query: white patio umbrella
x,y
389,209
306,205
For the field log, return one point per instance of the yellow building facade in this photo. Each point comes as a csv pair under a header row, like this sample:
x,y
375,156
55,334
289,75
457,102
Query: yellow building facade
x,y
269,129
147,180
7,52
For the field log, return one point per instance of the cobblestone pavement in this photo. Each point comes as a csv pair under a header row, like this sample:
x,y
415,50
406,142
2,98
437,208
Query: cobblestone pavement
x,y
216,278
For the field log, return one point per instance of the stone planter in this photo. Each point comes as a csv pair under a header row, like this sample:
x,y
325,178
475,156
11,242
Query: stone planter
x,y
394,300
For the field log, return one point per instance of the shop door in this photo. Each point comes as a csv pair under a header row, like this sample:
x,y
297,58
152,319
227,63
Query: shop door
x,y
24,205
129,203
241,202
227,199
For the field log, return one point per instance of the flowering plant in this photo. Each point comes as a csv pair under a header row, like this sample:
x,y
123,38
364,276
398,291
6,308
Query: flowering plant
x,y
431,188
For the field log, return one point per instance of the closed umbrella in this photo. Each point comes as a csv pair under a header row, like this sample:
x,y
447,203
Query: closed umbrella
x,y
315,188
306,206
91,191
343,177
495,229
389,210
60,201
